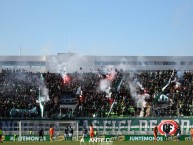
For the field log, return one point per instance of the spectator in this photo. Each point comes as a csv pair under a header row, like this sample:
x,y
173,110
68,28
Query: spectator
x,y
19,92
41,134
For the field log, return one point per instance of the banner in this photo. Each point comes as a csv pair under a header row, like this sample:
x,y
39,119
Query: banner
x,y
109,138
68,100
25,138
128,126
122,126
146,138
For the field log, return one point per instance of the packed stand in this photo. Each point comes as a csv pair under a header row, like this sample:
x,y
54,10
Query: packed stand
x,y
19,92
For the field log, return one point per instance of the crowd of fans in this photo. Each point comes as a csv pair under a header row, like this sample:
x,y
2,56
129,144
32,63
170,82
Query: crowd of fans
x,y
19,91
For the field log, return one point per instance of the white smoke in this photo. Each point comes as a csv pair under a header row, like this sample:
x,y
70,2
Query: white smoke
x,y
105,83
138,98
33,80
134,85
62,70
43,94
180,74
105,86
59,67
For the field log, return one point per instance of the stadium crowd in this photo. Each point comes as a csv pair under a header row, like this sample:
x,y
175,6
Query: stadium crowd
x,y
19,91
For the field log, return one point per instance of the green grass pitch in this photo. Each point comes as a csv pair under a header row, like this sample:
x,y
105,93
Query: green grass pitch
x,y
114,143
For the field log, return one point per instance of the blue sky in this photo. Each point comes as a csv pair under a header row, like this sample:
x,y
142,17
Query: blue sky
x,y
97,27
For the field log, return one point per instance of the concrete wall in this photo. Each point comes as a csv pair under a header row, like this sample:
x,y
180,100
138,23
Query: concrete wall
x,y
71,62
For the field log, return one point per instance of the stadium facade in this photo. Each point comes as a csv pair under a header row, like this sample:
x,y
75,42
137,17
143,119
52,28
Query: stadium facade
x,y
71,62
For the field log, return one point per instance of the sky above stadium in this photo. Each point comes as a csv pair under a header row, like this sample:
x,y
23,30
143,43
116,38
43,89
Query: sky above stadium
x,y
97,27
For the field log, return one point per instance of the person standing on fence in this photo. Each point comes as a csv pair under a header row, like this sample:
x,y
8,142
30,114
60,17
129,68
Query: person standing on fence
x,y
70,133
1,135
155,130
191,133
41,134
51,133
